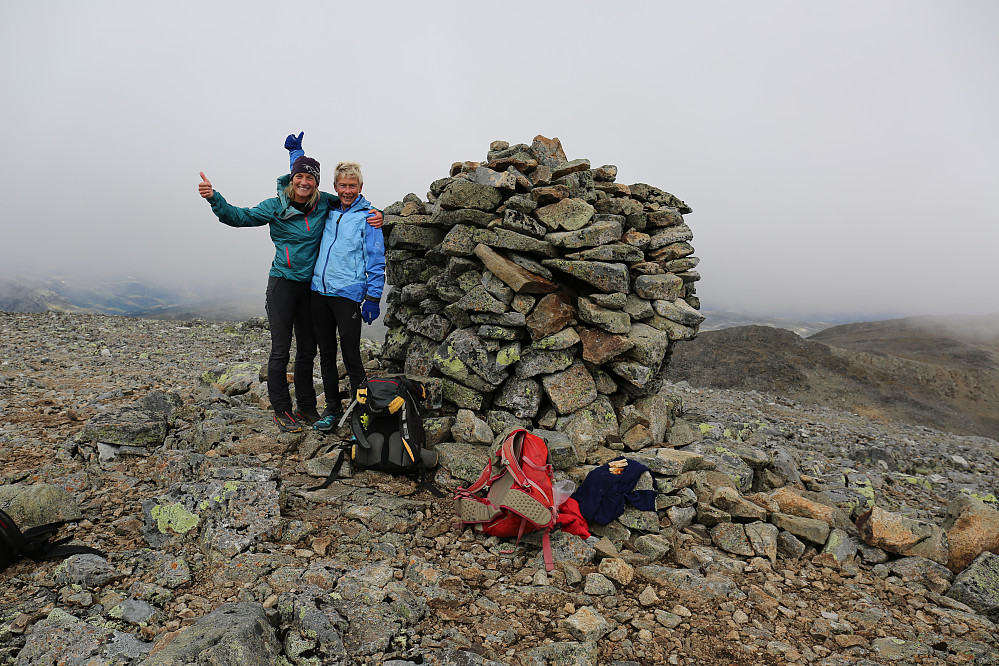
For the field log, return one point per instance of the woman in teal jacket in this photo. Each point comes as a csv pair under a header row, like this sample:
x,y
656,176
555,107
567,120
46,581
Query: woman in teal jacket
x,y
296,218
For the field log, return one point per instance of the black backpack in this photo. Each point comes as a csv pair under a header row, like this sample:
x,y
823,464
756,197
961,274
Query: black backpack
x,y
387,425
33,542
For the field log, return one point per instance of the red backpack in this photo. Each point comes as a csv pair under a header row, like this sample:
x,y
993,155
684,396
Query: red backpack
x,y
514,495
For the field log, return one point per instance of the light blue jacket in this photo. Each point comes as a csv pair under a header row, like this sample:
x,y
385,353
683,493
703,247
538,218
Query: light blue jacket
x,y
351,261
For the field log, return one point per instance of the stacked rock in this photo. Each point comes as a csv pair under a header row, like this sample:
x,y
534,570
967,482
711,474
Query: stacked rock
x,y
537,287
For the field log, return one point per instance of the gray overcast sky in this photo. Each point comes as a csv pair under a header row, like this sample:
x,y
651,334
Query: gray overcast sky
x,y
840,157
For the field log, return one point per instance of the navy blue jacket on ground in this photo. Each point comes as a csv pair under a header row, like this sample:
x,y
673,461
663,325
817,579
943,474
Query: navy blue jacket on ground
x,y
602,495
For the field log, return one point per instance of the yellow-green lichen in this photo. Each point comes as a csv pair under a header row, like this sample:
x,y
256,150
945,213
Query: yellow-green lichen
x,y
507,356
174,517
396,336
918,481
228,488
450,364
706,428
984,497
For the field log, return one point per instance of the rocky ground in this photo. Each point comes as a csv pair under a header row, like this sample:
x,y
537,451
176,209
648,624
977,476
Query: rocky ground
x,y
371,570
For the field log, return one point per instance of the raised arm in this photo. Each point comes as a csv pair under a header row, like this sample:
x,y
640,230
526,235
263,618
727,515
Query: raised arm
x,y
258,216
293,144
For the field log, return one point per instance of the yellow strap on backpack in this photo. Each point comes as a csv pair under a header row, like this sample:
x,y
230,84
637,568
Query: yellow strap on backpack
x,y
396,404
362,395
408,450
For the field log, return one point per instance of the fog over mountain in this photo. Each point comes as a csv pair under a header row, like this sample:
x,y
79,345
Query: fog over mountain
x,y
838,156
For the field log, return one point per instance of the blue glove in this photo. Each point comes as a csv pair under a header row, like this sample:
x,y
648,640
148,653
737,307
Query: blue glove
x,y
294,142
369,311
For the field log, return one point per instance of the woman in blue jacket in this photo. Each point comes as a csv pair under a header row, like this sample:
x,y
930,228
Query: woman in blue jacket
x,y
347,285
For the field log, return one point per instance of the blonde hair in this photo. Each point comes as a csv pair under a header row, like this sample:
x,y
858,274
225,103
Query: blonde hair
x,y
348,169
289,193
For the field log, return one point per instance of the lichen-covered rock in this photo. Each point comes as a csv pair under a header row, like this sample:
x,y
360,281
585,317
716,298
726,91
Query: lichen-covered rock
x,y
732,538
86,570
972,528
904,536
612,321
577,654
978,586
522,397
467,194
140,427
463,461
225,514
468,428
61,638
809,529
596,235
606,277
571,389
234,634
764,538
567,214
38,504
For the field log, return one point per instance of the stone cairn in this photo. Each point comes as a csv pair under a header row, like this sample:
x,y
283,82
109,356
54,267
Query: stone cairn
x,y
540,291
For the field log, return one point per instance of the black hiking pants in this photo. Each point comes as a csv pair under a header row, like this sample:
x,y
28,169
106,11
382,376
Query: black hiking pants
x,y
332,315
289,308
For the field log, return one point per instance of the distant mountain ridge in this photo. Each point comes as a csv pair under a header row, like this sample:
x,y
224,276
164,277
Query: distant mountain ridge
x,y
715,320
19,296
134,298
942,372
123,296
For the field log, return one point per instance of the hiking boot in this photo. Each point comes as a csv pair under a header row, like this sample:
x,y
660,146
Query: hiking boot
x,y
307,417
286,422
328,422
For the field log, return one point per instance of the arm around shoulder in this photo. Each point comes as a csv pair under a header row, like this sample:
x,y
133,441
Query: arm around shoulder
x,y
374,263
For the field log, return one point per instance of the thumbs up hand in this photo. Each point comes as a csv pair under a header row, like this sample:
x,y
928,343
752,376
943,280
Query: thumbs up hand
x,y
205,187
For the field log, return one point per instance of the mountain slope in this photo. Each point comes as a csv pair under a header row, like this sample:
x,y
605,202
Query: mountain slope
x,y
947,383
19,296
969,342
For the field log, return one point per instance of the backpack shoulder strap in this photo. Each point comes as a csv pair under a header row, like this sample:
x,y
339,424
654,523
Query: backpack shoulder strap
x,y
53,551
417,389
512,447
13,544
334,473
33,542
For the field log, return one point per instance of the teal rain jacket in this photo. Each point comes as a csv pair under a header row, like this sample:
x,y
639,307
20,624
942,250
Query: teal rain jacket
x,y
296,235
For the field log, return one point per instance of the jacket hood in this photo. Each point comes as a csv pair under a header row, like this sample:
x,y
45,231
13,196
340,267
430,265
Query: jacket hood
x,y
283,182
